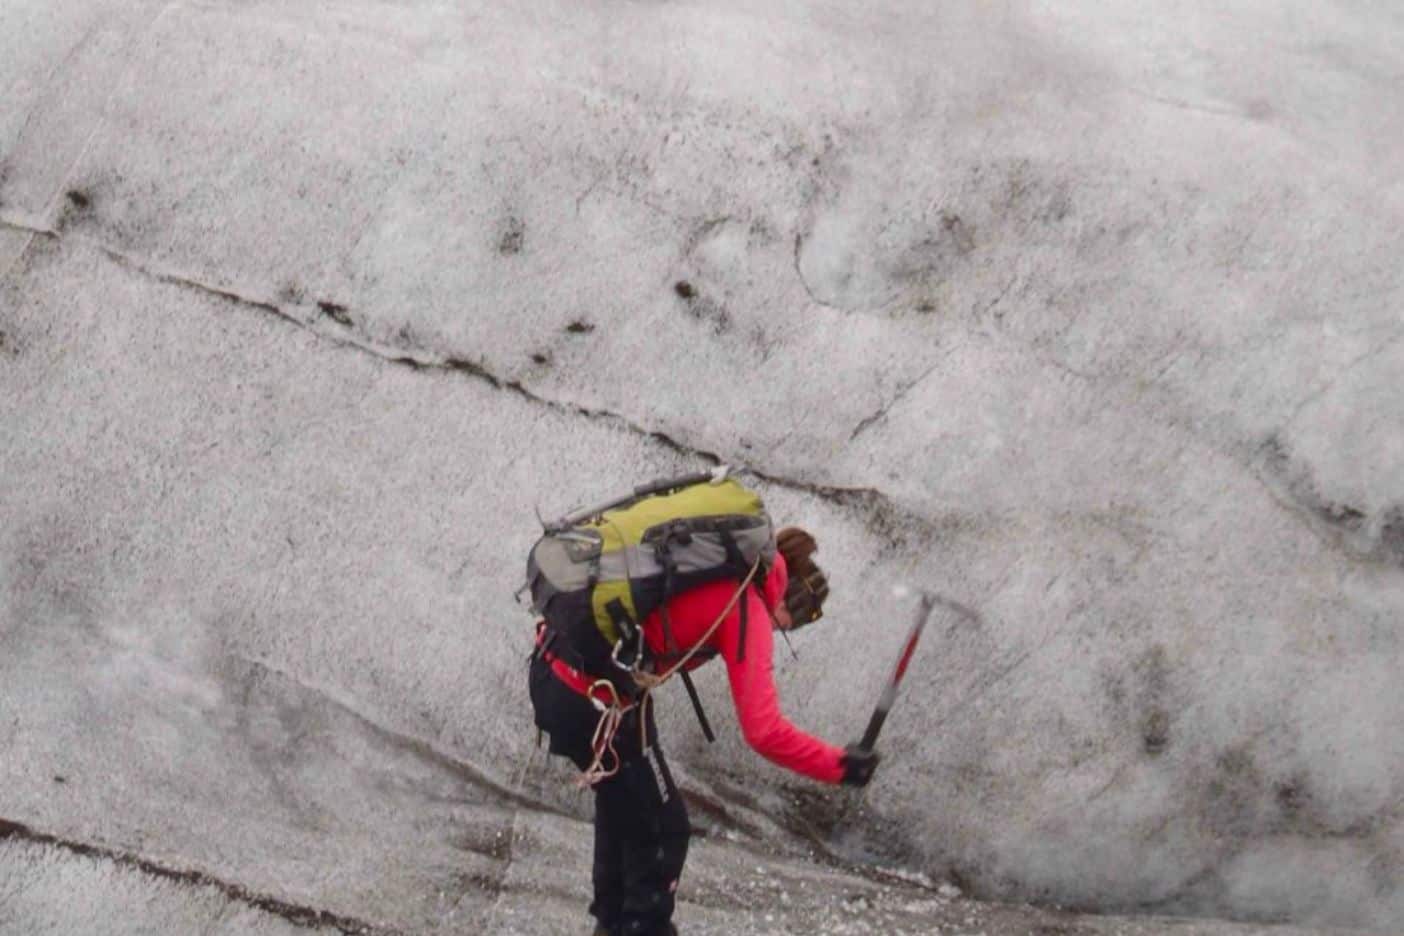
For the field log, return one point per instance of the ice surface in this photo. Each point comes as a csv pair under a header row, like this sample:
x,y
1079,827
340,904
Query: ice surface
x,y
1087,318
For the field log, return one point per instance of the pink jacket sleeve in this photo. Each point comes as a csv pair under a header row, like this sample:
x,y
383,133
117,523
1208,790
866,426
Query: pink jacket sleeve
x,y
753,691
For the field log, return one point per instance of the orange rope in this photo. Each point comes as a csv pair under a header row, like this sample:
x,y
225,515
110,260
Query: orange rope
x,y
602,744
649,681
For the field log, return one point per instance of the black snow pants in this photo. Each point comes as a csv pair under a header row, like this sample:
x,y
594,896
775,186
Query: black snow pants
x,y
641,827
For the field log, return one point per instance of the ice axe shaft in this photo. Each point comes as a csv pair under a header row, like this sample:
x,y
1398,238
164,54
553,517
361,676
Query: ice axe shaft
x,y
889,693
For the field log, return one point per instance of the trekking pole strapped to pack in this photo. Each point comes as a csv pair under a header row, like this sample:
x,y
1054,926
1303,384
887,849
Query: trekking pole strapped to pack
x,y
643,490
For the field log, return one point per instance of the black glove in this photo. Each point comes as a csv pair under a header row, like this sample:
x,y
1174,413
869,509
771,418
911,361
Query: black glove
x,y
858,765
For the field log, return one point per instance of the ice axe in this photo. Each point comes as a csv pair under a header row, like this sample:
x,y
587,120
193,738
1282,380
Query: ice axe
x,y
889,692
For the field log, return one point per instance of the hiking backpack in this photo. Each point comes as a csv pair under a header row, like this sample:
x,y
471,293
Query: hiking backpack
x,y
595,575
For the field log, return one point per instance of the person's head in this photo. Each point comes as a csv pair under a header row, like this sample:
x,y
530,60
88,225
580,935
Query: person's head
x,y
808,588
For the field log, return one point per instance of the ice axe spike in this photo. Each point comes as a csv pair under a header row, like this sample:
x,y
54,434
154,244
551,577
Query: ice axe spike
x,y
889,693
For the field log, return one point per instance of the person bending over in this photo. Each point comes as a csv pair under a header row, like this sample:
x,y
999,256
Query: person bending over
x,y
641,824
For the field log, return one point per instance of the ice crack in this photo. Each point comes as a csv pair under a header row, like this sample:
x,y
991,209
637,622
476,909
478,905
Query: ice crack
x,y
875,505
296,914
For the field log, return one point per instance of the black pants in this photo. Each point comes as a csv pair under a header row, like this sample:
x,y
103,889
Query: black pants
x,y
641,827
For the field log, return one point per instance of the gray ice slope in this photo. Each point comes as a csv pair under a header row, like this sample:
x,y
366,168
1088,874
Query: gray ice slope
x,y
167,776
46,891
1088,318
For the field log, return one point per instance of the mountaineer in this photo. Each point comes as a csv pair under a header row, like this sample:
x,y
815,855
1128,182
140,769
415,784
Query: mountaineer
x,y
629,594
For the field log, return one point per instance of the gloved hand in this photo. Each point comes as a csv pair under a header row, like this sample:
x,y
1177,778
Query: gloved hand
x,y
859,763
808,588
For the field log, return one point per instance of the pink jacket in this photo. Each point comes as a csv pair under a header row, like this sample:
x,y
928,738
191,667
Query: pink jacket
x,y
752,684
